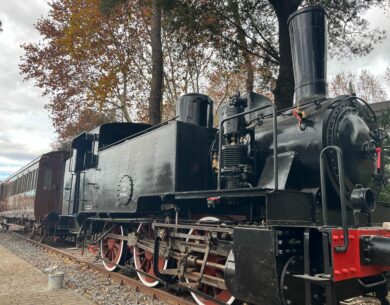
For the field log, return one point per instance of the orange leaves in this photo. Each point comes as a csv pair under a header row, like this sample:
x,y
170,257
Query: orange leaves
x,y
89,63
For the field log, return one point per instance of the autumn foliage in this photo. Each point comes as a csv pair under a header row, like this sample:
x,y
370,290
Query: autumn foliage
x,y
96,67
95,62
364,84
86,61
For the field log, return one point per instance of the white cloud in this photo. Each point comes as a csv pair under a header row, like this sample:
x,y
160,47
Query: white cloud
x,y
378,60
25,128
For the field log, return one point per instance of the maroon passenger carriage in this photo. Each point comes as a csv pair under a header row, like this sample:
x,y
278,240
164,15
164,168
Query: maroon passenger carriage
x,y
33,195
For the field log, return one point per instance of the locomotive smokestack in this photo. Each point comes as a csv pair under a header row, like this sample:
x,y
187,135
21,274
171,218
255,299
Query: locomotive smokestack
x,y
308,35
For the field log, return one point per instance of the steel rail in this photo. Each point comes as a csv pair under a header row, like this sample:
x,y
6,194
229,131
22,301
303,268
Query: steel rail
x,y
117,277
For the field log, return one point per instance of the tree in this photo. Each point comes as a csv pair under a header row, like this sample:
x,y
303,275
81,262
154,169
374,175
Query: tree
x,y
94,63
370,88
157,68
384,123
264,25
90,64
387,76
98,67
250,74
224,82
364,85
156,88
1,26
189,62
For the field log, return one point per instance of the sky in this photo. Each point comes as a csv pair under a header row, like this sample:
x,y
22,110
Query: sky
x,y
25,127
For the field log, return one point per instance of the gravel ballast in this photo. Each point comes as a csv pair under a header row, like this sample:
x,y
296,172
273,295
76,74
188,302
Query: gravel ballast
x,y
92,284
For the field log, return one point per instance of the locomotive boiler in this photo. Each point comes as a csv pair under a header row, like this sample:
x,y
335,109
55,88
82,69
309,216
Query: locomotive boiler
x,y
273,207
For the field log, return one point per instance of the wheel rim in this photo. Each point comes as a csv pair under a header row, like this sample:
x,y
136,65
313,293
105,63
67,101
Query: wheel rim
x,y
220,294
112,249
143,260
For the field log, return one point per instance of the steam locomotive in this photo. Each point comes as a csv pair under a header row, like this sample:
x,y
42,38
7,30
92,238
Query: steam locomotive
x,y
273,207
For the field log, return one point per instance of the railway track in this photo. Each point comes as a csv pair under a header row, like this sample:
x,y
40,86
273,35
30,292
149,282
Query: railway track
x,y
154,293
119,278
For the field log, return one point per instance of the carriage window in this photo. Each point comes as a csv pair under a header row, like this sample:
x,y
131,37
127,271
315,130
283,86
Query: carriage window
x,y
28,181
23,184
17,186
35,179
47,179
32,181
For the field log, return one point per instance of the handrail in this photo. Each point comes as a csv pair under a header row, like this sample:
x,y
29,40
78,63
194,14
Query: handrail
x,y
340,165
275,139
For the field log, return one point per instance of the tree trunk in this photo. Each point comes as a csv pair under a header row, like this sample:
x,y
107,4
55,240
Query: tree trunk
x,y
156,90
123,100
250,74
284,90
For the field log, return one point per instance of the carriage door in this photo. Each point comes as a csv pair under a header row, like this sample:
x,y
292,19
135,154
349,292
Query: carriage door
x,y
83,159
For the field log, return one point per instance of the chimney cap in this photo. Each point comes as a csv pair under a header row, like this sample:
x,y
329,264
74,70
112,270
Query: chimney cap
x,y
306,9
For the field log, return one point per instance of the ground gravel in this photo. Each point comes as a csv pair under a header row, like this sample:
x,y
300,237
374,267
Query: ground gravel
x,y
92,284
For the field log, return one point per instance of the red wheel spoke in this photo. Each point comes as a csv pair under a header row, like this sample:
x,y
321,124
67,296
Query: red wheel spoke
x,y
140,253
143,264
113,250
221,295
215,292
143,260
148,265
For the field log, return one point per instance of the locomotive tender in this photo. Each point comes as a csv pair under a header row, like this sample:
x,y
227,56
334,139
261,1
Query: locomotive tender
x,y
271,208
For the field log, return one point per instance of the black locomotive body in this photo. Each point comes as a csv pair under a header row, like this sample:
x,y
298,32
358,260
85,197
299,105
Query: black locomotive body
x,y
270,208
132,174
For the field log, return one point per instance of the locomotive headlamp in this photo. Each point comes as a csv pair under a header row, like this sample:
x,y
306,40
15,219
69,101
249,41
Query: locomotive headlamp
x,y
363,199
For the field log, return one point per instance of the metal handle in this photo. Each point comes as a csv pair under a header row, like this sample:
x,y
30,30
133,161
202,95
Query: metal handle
x,y
343,248
376,284
275,139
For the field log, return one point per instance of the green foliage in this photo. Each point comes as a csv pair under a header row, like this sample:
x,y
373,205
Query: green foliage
x,y
106,6
264,24
95,57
